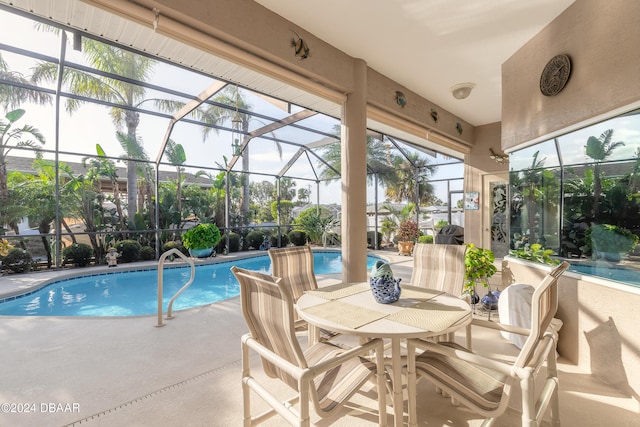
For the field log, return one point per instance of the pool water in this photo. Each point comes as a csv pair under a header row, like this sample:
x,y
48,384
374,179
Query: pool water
x,y
135,293
624,275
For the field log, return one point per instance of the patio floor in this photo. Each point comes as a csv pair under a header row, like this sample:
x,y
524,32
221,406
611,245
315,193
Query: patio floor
x,y
127,372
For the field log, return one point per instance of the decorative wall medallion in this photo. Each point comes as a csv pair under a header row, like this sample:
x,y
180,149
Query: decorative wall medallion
x,y
555,75
300,48
401,99
434,115
459,128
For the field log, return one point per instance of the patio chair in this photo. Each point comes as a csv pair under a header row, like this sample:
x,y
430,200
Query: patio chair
x,y
484,384
294,266
324,374
439,267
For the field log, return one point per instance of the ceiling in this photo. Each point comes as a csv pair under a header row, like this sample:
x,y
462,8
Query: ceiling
x,y
430,45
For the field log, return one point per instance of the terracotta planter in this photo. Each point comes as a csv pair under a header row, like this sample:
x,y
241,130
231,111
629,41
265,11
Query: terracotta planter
x,y
405,248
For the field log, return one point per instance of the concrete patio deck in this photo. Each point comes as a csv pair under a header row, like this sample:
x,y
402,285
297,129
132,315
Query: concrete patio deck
x,y
127,372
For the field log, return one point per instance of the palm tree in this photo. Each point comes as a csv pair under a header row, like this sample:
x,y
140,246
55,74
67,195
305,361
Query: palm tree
x,y
404,183
12,97
599,149
101,166
396,173
216,115
176,156
129,96
17,137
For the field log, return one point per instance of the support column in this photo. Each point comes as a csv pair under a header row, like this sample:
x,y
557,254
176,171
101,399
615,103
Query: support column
x,y
354,178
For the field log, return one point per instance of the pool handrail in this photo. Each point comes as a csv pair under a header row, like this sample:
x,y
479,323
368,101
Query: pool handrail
x,y
163,257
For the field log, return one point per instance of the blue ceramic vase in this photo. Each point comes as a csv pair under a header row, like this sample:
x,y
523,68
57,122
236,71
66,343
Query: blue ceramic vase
x,y
384,287
490,300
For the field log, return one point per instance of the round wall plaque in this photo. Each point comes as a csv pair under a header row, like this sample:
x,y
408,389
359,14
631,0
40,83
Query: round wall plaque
x,y
555,75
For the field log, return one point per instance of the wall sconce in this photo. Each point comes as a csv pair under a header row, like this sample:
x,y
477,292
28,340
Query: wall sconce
x,y
462,90
497,157
300,47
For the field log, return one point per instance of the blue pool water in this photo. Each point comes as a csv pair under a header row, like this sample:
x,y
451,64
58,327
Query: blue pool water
x,y
135,293
629,277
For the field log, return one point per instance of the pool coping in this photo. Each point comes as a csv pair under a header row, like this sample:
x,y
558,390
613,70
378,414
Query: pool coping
x,y
15,286
18,285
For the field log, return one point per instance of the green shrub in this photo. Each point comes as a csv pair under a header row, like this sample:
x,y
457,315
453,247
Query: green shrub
x,y
79,254
234,243
202,236
129,250
174,245
18,261
298,237
147,253
255,238
425,239
371,235
284,240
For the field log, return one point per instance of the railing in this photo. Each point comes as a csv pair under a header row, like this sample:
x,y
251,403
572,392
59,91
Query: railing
x,y
163,257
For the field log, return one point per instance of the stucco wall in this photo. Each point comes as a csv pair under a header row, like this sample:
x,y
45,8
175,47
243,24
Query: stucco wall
x,y
478,169
602,39
599,323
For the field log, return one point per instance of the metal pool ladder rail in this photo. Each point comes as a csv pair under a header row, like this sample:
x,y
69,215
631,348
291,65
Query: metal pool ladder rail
x,y
163,257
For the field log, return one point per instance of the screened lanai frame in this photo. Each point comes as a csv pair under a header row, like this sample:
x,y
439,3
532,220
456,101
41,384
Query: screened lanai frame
x,y
560,172
296,117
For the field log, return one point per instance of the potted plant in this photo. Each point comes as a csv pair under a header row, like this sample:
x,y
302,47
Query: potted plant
x,y
609,241
408,233
479,267
201,240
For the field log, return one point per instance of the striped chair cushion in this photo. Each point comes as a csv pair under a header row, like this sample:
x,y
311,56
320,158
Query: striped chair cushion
x,y
439,267
483,386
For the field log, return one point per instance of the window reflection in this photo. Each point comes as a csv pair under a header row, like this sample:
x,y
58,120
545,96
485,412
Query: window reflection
x,y
583,202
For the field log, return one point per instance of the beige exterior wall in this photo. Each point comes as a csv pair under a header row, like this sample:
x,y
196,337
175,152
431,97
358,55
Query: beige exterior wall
x,y
479,170
602,39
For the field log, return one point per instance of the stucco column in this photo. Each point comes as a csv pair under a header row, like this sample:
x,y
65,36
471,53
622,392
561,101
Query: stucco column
x,y
354,178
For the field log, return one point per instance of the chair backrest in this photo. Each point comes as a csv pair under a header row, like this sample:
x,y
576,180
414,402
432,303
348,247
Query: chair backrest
x,y
267,307
294,266
544,304
439,267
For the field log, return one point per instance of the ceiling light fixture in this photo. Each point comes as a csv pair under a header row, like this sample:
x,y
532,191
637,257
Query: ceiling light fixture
x,y
462,90
497,157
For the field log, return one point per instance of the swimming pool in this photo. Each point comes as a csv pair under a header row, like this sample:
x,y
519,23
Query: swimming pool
x,y
618,274
135,293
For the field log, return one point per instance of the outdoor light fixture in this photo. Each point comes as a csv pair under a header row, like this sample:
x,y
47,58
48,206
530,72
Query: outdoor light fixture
x,y
236,129
462,90
497,157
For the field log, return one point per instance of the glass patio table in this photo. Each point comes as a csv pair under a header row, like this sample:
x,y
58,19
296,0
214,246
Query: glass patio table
x,y
351,309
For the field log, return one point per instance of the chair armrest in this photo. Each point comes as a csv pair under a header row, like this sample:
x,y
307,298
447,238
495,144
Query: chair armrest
x,y
500,326
285,365
375,344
